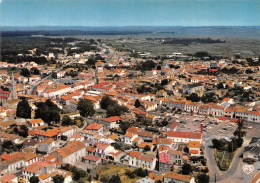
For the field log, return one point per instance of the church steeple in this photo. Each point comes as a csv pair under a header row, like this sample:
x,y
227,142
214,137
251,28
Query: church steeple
x,y
96,76
13,88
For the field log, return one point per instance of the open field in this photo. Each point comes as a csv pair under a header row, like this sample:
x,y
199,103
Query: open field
x,y
110,170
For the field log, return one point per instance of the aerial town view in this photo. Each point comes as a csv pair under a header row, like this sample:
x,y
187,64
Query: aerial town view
x,y
130,91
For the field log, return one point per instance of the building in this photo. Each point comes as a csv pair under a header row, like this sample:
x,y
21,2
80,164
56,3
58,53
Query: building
x,y
194,148
46,145
184,137
35,123
71,153
111,122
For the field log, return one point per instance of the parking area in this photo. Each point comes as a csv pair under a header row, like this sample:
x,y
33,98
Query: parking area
x,y
212,127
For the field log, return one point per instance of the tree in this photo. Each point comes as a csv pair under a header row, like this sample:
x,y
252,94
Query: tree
x,y
25,72
36,71
186,149
58,179
158,67
186,169
148,65
114,179
239,131
54,75
232,146
23,109
164,81
7,144
66,121
23,131
107,101
201,54
202,178
91,61
137,103
216,143
239,141
124,125
220,86
47,111
147,148
141,172
193,97
34,179
86,108
116,110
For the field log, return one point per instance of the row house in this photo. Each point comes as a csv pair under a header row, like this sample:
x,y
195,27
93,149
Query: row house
x,y
103,149
101,88
55,92
194,148
30,158
175,156
146,162
215,109
76,137
163,141
254,116
146,136
99,128
115,155
46,145
35,123
110,122
14,161
37,169
178,104
137,159
67,131
164,162
192,107
88,134
129,138
192,88
229,112
89,158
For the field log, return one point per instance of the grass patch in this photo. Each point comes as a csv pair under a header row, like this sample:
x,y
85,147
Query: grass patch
x,y
110,170
223,159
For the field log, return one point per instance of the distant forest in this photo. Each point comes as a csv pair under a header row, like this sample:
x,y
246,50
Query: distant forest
x,y
186,41
68,33
15,49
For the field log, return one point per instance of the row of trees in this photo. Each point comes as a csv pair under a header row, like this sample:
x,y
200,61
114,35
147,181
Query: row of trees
x,y
27,73
206,98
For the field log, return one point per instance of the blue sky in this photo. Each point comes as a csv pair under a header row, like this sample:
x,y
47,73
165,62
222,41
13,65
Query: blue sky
x,y
129,13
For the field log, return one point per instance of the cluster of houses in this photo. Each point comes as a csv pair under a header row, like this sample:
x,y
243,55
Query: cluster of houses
x,y
48,147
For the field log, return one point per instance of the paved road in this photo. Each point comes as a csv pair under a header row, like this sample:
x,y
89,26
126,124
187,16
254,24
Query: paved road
x,y
233,174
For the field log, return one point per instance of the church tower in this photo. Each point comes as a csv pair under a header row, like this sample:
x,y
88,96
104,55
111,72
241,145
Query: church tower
x,y
96,76
13,88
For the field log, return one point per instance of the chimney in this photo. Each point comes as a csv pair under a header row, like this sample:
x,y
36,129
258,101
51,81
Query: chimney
x,y
201,128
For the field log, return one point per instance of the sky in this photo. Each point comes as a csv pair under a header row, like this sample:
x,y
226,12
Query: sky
x,y
129,13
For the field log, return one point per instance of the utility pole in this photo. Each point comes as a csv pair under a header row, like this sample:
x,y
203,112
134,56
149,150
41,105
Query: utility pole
x,y
215,177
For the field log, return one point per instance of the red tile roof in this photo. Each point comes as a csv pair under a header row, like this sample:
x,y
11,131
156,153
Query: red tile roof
x,y
111,119
94,126
191,135
90,157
